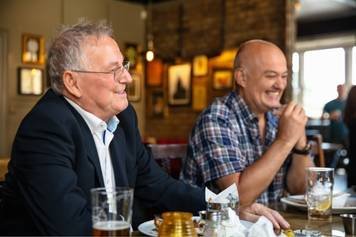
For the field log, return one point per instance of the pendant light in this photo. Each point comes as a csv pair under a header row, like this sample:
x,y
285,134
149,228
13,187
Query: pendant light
x,y
150,55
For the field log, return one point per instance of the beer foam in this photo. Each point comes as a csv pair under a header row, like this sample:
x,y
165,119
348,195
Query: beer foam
x,y
111,225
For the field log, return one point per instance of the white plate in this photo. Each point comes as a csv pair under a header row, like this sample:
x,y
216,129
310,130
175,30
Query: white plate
x,y
297,201
148,227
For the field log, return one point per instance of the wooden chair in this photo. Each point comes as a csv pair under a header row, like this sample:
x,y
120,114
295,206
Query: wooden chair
x,y
317,150
3,167
169,156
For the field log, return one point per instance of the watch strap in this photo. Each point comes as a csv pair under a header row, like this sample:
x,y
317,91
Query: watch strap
x,y
305,151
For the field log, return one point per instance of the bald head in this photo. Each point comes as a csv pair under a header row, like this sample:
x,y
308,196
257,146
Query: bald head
x,y
253,50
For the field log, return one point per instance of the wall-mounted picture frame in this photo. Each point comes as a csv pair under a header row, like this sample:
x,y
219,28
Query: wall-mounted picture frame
x,y
30,81
154,73
131,53
179,84
200,65
222,78
32,49
134,88
157,103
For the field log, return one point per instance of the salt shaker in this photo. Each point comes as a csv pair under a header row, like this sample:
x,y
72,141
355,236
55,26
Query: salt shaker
x,y
213,226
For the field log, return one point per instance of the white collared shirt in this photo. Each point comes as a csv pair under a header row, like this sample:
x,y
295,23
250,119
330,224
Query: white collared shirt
x,y
102,133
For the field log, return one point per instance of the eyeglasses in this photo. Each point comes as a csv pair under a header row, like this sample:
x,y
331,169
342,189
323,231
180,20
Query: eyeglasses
x,y
116,72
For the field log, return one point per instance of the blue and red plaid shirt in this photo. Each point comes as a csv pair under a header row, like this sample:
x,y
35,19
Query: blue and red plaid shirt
x,y
225,140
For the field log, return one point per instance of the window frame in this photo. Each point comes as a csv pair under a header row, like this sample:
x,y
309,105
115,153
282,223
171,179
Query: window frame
x,y
346,41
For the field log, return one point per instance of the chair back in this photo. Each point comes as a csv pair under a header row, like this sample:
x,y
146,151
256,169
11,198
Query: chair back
x,y
169,156
3,167
317,150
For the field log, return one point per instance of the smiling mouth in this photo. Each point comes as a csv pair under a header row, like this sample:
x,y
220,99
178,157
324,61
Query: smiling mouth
x,y
122,93
274,93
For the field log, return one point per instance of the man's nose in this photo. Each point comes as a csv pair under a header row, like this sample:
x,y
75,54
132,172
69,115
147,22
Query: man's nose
x,y
125,77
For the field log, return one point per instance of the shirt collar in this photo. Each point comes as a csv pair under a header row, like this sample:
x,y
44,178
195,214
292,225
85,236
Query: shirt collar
x,y
94,123
240,105
247,115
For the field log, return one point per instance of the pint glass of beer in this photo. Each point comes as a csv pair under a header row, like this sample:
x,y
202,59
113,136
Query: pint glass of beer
x,y
111,211
320,182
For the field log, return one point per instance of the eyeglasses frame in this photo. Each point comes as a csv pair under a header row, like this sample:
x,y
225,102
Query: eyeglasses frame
x,y
125,66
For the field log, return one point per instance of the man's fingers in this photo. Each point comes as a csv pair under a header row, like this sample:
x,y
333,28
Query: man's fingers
x,y
280,219
289,108
268,214
248,216
253,212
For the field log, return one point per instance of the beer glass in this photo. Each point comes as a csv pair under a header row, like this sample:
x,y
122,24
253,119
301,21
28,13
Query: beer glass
x,y
319,192
111,211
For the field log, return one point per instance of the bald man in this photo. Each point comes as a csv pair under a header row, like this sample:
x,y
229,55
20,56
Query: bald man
x,y
241,139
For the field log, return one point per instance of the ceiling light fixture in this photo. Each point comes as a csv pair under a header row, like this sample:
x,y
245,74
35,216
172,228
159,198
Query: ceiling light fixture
x,y
150,55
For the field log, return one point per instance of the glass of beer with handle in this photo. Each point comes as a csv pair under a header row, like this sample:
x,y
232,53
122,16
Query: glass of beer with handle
x,y
111,211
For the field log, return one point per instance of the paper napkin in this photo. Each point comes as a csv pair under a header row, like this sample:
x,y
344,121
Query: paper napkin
x,y
225,196
262,228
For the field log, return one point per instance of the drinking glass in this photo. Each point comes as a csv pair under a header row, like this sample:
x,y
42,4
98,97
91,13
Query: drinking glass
x,y
111,211
319,192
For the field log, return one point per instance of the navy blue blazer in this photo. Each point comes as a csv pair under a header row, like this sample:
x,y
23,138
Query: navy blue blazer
x,y
54,164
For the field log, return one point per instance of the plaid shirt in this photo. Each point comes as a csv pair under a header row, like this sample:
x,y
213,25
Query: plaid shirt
x,y
225,140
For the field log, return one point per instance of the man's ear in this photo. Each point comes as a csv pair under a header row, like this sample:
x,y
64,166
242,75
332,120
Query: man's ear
x,y
71,84
240,77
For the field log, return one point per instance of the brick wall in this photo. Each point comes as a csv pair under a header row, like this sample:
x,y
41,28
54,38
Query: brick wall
x,y
184,29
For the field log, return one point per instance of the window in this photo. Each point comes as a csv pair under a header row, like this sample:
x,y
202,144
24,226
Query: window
x,y
323,71
354,65
295,70
319,65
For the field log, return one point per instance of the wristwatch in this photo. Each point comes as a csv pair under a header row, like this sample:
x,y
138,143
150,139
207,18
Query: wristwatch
x,y
305,151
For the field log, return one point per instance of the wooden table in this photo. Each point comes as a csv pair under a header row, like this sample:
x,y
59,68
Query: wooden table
x,y
298,219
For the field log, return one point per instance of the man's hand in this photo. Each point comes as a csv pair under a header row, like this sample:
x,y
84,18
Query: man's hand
x,y
292,123
255,210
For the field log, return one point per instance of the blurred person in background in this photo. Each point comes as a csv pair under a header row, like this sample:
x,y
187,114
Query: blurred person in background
x,y
333,110
350,121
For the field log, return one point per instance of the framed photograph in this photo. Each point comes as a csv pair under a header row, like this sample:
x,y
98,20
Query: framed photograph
x,y
199,93
154,73
30,81
134,88
200,65
131,53
179,84
32,49
157,103
222,79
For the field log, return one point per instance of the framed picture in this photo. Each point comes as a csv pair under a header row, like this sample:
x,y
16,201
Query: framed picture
x,y
30,81
157,103
154,73
134,88
179,84
222,79
200,65
199,93
131,53
32,49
